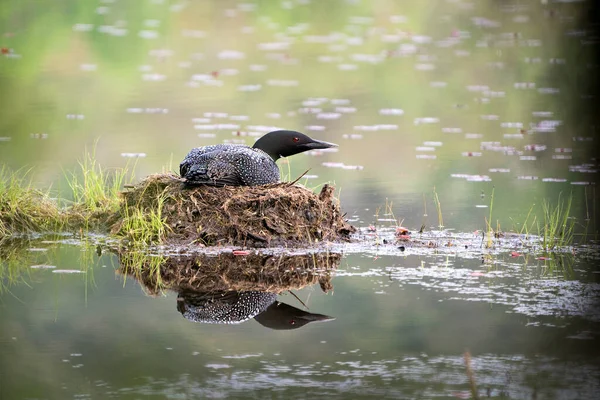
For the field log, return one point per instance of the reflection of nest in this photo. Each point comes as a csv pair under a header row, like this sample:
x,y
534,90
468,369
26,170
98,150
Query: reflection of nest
x,y
226,272
278,214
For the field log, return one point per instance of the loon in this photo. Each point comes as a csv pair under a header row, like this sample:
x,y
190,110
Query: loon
x,y
236,307
239,165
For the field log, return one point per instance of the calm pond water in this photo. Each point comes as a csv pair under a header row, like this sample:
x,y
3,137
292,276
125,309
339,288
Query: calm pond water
x,y
455,99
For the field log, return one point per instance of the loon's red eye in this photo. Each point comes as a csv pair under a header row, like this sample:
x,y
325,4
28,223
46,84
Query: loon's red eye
x,y
292,322
296,139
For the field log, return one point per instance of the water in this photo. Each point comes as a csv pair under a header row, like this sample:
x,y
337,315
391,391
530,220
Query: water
x,y
462,97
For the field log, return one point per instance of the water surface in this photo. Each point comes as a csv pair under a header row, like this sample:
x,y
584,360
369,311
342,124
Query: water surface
x,y
464,99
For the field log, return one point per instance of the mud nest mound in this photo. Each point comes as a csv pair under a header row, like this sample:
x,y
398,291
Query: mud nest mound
x,y
280,214
228,272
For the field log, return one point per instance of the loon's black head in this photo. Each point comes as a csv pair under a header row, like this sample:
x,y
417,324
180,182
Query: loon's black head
x,y
287,143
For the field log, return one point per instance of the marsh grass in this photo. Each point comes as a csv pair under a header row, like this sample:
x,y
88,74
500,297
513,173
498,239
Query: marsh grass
x,y
24,209
438,207
95,193
96,190
488,223
145,225
558,229
527,225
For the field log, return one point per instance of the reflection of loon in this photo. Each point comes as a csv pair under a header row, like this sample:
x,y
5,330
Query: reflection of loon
x,y
283,316
238,165
236,307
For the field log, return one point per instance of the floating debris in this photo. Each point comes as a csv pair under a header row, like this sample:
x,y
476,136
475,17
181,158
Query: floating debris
x,y
426,120
342,166
374,128
43,266
517,125
542,114
472,178
83,27
583,168
554,180
548,90
249,88
67,271
513,136
282,82
133,155
352,136
391,111
582,183
330,115
438,84
148,34
149,110
88,67
489,117
452,130
231,55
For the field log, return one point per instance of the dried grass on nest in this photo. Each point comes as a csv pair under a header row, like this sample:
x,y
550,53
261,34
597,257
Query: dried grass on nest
x,y
226,272
258,216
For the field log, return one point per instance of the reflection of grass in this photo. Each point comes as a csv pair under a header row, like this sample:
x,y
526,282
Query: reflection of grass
x,y
14,264
470,375
144,267
559,263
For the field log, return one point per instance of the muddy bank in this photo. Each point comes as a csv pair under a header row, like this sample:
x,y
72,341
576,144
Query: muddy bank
x,y
260,216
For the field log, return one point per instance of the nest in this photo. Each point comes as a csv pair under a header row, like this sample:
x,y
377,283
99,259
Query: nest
x,y
280,214
228,272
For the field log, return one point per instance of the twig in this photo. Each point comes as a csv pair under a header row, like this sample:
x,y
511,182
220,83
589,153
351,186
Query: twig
x,y
298,178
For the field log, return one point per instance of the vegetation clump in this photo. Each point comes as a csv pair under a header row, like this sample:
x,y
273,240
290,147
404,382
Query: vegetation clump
x,y
162,208
24,209
96,193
